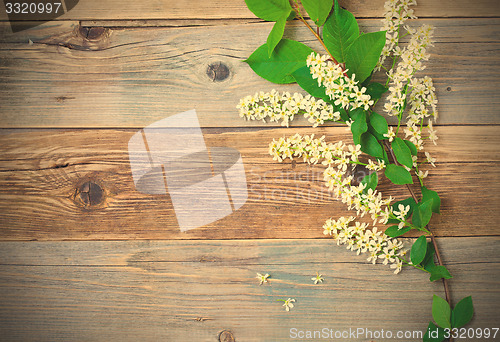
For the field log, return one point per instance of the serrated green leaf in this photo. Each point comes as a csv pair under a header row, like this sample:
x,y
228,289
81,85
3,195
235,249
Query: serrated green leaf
x,y
371,181
462,313
376,90
363,54
398,174
370,145
394,231
438,272
358,127
412,147
402,152
441,312
304,78
318,10
288,56
422,214
339,32
379,123
431,195
270,10
276,34
418,250
434,333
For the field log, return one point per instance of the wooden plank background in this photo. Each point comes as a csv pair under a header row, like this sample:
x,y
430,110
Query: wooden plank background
x,y
72,93
131,77
192,290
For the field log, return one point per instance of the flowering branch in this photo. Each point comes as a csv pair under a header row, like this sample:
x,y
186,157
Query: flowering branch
x,y
340,90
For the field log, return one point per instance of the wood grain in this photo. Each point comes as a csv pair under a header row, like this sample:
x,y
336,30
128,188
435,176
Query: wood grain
x,y
224,9
42,174
131,77
192,290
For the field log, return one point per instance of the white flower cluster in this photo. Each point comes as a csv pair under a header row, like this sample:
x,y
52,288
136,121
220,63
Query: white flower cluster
x,y
336,157
312,150
355,197
276,107
340,88
397,12
362,240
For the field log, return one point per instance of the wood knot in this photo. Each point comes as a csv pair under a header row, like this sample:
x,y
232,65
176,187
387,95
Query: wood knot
x,y
90,194
226,336
217,72
92,33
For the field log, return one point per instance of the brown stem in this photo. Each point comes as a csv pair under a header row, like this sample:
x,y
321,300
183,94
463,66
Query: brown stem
x,y
316,34
433,238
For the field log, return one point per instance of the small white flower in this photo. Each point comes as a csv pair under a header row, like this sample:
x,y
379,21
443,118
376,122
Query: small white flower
x,y
288,303
262,278
390,134
422,175
318,278
430,159
398,265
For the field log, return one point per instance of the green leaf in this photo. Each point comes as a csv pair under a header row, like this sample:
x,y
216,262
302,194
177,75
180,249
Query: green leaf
x,y
402,152
434,333
418,250
358,127
431,195
379,123
270,10
363,55
288,56
412,147
422,214
339,32
371,181
276,34
428,262
441,312
318,10
370,145
398,174
304,79
462,313
376,90
394,231
438,272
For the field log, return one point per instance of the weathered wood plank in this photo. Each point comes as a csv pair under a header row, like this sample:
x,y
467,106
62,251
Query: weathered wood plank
x,y
133,77
42,174
192,290
227,9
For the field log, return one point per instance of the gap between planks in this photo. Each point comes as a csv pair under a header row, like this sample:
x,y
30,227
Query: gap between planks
x,y
237,9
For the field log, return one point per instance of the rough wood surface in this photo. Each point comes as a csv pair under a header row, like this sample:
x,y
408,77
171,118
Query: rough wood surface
x,y
224,9
193,290
45,189
131,77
